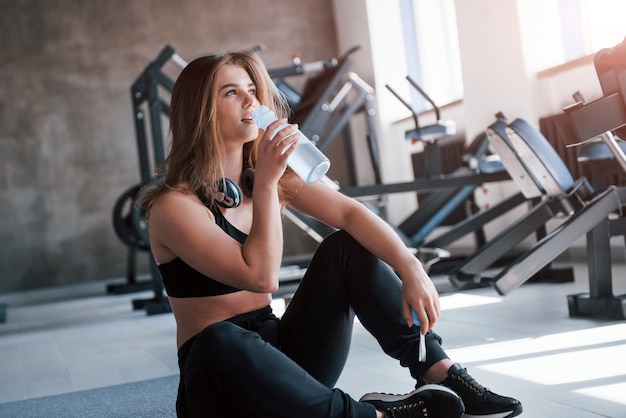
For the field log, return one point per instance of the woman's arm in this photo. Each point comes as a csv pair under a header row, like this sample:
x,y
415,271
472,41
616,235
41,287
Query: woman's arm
x,y
340,211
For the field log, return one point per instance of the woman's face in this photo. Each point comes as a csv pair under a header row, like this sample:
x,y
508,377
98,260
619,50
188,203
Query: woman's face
x,y
236,100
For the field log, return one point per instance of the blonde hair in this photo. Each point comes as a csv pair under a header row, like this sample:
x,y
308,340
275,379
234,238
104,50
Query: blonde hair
x,y
195,160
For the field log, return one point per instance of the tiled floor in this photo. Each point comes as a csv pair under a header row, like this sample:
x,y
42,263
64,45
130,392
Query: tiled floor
x,y
524,345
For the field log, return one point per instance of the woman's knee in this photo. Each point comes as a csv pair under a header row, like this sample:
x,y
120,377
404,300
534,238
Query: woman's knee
x,y
340,242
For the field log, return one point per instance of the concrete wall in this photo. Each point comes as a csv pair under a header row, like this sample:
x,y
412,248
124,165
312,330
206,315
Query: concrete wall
x,y
67,142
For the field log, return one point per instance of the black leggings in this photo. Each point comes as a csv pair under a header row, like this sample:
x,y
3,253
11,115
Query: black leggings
x,y
255,365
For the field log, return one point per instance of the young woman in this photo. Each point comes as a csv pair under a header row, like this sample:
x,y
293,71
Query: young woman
x,y
220,265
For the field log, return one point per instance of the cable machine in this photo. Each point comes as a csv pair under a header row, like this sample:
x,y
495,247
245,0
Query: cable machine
x,y
131,228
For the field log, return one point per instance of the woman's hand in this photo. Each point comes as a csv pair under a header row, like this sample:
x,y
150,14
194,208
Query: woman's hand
x,y
273,150
419,293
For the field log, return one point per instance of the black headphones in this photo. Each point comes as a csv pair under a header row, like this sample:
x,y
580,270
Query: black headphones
x,y
231,194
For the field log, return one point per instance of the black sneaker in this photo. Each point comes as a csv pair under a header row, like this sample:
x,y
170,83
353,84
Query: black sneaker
x,y
480,401
427,401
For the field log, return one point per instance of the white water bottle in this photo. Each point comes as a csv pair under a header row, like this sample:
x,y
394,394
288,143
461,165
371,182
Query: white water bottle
x,y
307,160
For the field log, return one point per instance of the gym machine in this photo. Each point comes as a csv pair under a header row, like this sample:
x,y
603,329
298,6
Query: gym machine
x,y
129,225
330,99
548,200
446,192
592,209
597,125
592,212
438,206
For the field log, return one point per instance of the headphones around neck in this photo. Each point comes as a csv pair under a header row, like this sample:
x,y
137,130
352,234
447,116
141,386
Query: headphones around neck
x,y
230,192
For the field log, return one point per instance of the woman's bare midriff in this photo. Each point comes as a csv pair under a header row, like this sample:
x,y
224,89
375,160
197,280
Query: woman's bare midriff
x,y
194,314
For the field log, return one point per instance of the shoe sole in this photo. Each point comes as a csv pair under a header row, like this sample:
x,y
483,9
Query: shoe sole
x,y
387,397
507,414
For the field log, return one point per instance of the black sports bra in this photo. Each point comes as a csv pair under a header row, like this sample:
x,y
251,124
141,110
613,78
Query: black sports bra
x,y
183,281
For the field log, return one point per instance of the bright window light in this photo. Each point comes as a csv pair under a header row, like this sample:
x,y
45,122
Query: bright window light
x,y
591,25
605,22
432,54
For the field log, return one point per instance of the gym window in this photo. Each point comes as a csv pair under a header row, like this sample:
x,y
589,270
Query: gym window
x,y
559,32
432,50
590,25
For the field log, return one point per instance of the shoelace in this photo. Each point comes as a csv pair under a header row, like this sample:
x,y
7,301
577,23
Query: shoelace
x,y
408,411
470,382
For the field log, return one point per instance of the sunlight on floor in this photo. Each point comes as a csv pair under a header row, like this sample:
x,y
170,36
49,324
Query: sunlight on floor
x,y
548,343
612,393
460,300
560,359
573,365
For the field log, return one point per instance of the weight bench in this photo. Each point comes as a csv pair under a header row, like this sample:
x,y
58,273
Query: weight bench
x,y
558,197
594,213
